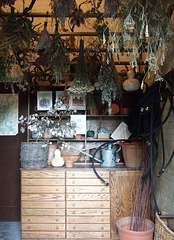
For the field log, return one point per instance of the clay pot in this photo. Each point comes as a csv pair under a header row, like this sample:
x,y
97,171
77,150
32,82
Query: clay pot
x,y
132,154
123,225
69,164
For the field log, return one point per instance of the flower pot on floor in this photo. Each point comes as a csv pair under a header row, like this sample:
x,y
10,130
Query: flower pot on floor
x,y
123,225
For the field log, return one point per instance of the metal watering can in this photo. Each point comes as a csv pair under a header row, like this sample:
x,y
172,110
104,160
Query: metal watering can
x,y
108,155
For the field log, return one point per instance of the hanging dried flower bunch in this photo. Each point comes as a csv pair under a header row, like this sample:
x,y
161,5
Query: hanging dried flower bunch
x,y
145,26
7,2
81,82
112,7
76,18
62,9
109,83
58,57
44,42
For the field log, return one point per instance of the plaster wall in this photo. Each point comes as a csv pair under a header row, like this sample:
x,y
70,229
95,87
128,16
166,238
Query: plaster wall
x,y
165,184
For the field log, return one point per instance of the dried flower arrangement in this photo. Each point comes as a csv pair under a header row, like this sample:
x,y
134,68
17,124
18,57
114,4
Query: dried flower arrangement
x,y
81,82
144,26
58,57
62,9
109,83
45,126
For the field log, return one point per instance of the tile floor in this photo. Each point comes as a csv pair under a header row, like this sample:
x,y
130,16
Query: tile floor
x,y
10,230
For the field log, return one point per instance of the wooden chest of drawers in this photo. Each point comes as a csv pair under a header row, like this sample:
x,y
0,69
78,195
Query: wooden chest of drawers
x,y
73,204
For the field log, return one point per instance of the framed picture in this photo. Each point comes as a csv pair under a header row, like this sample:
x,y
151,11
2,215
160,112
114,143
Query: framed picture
x,y
44,100
80,123
77,102
61,95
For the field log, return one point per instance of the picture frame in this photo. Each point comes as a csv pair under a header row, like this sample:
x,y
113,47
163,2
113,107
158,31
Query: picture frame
x,y
77,101
80,123
65,105
44,100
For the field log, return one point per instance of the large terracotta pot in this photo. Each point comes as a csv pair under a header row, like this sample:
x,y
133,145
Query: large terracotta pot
x,y
123,225
132,154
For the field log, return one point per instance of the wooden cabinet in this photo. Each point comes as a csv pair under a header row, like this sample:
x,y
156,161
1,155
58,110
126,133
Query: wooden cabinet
x,y
87,205
74,204
43,204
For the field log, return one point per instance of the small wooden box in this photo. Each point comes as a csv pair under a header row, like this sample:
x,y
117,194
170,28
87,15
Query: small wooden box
x,y
103,135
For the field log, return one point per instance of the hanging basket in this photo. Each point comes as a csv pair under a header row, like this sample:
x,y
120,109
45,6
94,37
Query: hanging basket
x,y
162,232
34,155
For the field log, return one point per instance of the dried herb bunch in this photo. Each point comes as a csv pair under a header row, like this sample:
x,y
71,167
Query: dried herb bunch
x,y
109,83
58,57
145,25
62,9
81,82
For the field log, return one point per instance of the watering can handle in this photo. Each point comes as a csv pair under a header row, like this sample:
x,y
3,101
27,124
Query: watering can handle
x,y
118,148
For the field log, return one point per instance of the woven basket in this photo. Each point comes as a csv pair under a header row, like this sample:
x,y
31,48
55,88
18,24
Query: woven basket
x,y
162,232
34,155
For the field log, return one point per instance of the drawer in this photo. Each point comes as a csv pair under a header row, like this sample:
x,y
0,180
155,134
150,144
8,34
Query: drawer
x,y
43,212
88,227
43,235
43,189
43,197
88,204
42,174
88,212
84,182
44,205
86,174
43,227
43,219
88,235
88,219
88,197
87,189
43,182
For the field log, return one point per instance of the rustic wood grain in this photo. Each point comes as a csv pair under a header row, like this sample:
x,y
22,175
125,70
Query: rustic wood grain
x,y
87,189
43,189
43,212
88,204
121,183
44,205
91,235
43,219
44,182
43,197
45,173
43,227
87,174
43,235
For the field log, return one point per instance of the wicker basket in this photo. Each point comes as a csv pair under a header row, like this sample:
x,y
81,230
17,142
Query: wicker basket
x,y
162,232
34,155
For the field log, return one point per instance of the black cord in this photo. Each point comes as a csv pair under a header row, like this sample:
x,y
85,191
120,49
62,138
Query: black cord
x,y
167,164
151,157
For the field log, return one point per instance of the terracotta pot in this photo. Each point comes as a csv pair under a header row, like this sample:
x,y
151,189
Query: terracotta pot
x,y
123,225
69,164
132,154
